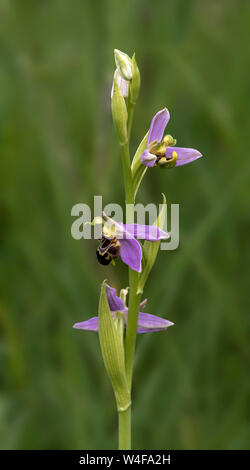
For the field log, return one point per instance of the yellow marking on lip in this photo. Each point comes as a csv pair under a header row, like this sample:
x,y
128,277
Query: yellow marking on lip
x,y
162,161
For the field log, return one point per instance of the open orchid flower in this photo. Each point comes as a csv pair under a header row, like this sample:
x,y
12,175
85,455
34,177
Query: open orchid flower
x,y
147,323
161,151
121,240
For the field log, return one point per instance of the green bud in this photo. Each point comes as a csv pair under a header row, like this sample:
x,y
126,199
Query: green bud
x,y
111,341
150,249
124,64
119,112
135,82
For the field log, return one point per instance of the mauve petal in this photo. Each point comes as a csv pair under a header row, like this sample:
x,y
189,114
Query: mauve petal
x,y
115,303
142,232
91,324
158,125
148,159
148,323
184,155
146,232
131,253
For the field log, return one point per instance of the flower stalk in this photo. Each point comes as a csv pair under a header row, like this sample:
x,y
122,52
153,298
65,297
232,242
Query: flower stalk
x,y
134,299
124,429
131,331
117,324
127,173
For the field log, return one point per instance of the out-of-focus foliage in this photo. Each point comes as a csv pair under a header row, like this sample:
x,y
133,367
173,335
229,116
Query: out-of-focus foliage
x,y
57,148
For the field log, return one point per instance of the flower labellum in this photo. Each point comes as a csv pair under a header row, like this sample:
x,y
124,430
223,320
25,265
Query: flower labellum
x,y
108,249
161,151
147,323
120,240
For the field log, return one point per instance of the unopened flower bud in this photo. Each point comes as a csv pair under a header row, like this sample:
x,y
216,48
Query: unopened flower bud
x,y
124,64
119,112
122,84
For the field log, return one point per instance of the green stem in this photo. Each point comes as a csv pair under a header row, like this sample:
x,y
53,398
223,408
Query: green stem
x,y
127,173
131,107
131,329
134,298
124,418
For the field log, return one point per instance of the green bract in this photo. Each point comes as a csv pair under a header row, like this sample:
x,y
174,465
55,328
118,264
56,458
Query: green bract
x,y
111,341
138,170
150,249
135,83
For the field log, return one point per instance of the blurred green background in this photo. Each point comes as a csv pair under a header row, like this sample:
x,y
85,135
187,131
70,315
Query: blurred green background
x,y
57,148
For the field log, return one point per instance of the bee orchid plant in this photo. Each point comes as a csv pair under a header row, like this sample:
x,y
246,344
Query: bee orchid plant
x,y
118,322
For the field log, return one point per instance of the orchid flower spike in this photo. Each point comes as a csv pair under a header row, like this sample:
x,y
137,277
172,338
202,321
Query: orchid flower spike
x,y
120,240
147,323
161,151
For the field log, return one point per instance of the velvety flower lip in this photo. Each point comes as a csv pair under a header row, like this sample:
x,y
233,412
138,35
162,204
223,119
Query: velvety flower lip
x,y
165,154
127,235
147,323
